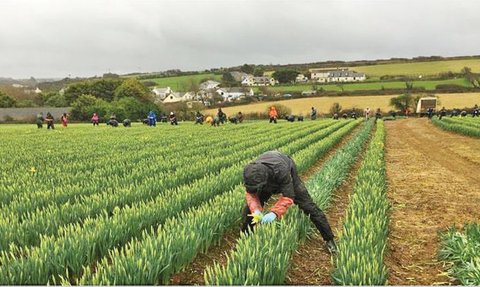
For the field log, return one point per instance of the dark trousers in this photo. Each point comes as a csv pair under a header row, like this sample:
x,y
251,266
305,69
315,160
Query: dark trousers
x,y
274,120
303,201
50,125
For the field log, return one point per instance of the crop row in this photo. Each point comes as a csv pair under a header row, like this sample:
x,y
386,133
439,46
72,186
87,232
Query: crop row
x,y
78,245
263,257
177,242
462,250
86,177
363,240
47,221
457,127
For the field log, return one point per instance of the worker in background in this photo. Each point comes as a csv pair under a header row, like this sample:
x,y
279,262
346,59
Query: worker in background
x,y
335,116
273,115
276,173
173,119
407,112
127,123
300,118
40,120
463,113
216,121
240,117
50,121
313,114
64,120
378,114
95,119
199,118
209,120
443,112
476,111
290,118
454,113
152,119
113,121
233,119
353,114
345,116
366,113
221,116
430,113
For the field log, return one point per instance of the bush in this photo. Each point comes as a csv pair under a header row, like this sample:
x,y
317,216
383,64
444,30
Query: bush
x,y
6,101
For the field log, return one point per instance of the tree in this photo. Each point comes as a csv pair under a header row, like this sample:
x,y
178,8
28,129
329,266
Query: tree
x,y
247,68
56,100
83,107
335,108
6,101
402,102
285,76
471,77
104,89
73,91
228,80
131,88
258,72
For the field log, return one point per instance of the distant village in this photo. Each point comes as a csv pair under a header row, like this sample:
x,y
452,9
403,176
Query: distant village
x,y
209,89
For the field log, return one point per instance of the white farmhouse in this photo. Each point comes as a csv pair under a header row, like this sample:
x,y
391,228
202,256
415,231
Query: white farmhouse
x,y
258,81
209,85
179,97
231,94
301,78
161,93
339,75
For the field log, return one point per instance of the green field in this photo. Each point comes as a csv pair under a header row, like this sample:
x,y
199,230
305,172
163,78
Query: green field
x,y
420,68
368,86
183,83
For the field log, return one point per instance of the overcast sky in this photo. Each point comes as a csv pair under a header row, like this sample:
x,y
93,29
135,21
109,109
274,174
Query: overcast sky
x,y
53,38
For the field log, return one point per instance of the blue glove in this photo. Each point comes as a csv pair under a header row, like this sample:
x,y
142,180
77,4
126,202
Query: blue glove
x,y
269,217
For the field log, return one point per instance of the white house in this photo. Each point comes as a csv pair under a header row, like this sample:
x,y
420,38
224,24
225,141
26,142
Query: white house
x,y
161,93
258,81
179,97
301,78
240,76
231,94
339,75
209,85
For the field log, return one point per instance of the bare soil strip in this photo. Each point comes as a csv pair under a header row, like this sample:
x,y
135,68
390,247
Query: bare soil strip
x,y
433,184
193,273
312,263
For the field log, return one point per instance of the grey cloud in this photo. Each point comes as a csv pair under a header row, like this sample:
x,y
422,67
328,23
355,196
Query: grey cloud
x,y
48,38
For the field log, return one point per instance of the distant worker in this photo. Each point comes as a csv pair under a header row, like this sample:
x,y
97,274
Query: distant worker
x,y
113,121
199,118
163,117
209,120
221,116
40,120
216,121
430,112
95,119
240,117
443,112
313,114
463,113
152,119
335,116
276,173
407,112
353,114
173,119
290,118
127,123
476,111
378,114
454,113
273,115
345,116
300,118
366,113
233,119
393,114
64,120
50,121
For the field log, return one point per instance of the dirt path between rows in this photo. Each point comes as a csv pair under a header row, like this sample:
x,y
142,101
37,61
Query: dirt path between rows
x,y
433,183
193,273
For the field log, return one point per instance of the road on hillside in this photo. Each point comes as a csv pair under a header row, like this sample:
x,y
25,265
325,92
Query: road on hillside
x,y
433,184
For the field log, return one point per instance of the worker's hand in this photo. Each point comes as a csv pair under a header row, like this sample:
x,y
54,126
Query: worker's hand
x,y
269,217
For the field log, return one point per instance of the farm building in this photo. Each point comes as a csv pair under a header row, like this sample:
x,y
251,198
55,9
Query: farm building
x,y
339,75
231,94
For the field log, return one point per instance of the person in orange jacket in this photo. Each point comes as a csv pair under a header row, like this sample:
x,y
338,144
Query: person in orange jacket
x,y
272,173
272,114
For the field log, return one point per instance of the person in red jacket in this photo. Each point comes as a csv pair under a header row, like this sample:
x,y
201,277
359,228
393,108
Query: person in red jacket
x,y
271,173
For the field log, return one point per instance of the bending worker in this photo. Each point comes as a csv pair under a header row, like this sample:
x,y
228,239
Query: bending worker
x,y
274,172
